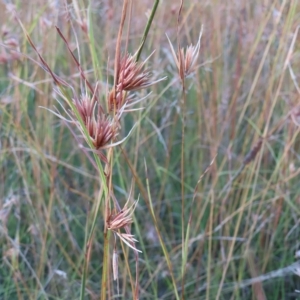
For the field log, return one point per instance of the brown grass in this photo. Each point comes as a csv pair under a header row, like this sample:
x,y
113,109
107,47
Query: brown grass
x,y
231,235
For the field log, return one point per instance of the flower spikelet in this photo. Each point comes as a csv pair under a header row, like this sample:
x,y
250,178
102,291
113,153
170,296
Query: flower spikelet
x,y
131,75
120,220
101,130
85,107
186,58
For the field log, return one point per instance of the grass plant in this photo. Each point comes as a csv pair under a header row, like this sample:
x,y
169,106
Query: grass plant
x,y
149,150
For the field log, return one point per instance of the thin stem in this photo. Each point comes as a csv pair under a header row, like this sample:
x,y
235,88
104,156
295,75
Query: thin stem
x,y
106,233
105,264
146,31
183,111
184,254
118,46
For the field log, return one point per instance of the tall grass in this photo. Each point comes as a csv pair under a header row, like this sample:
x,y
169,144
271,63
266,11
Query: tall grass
x,y
213,158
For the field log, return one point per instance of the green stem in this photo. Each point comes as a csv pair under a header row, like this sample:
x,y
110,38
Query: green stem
x,y
105,264
88,246
184,250
146,31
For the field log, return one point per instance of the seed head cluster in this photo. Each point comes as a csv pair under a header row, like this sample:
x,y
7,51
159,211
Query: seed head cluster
x,y
103,125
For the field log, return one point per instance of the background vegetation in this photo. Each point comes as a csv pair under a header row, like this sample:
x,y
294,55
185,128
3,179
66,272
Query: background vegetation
x,y
242,118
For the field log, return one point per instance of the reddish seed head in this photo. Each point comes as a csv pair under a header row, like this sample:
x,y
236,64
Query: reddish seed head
x,y
101,130
85,106
186,58
131,75
120,220
116,100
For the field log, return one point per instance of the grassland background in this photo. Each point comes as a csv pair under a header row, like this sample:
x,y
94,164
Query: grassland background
x,y
245,90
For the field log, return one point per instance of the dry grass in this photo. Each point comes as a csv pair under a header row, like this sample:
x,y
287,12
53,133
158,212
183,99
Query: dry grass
x,y
232,234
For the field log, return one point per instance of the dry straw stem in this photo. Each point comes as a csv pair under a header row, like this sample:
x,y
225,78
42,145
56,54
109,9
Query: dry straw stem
x,y
118,43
